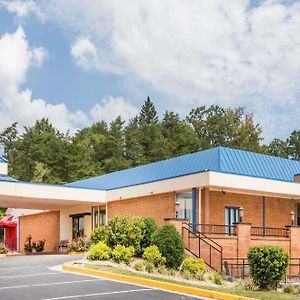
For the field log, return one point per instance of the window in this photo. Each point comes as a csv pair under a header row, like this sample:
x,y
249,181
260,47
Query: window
x,y
98,216
232,215
78,226
185,205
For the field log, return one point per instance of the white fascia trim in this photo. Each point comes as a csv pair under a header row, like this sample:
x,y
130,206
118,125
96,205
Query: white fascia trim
x,y
158,187
37,191
254,185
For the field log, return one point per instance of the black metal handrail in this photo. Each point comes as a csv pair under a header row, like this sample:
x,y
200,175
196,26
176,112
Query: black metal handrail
x,y
270,231
192,232
216,229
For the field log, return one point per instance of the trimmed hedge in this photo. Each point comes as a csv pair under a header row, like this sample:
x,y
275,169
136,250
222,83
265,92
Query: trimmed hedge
x,y
268,265
170,245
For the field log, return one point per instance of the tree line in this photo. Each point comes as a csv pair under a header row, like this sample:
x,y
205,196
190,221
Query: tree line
x,y
43,154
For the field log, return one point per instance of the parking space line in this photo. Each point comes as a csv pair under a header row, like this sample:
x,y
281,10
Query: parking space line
x,y
27,275
98,294
47,284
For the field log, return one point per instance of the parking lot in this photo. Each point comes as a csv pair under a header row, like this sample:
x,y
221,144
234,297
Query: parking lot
x,y
31,277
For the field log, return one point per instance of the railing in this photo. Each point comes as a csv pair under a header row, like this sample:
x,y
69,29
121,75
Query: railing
x,y
239,268
202,246
270,231
216,229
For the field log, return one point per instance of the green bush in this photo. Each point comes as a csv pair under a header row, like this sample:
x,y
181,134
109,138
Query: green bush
x,y
100,234
122,254
186,274
99,251
193,265
28,244
149,228
126,231
217,278
139,266
153,255
268,265
170,244
290,289
162,270
3,249
78,245
39,246
149,267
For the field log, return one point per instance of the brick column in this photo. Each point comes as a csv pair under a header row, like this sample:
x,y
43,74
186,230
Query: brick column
x,y
205,206
176,222
243,232
294,233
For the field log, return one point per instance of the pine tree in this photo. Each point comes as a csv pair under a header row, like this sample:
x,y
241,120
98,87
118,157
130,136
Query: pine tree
x,y
148,114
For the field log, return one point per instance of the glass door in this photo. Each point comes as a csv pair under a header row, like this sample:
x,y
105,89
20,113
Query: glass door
x,y
232,215
78,226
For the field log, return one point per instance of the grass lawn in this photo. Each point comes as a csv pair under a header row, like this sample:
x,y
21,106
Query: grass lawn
x,y
252,294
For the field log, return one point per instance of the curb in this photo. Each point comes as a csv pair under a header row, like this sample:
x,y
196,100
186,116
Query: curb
x,y
156,284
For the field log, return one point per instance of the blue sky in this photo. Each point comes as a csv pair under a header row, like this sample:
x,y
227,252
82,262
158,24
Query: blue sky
x,y
77,64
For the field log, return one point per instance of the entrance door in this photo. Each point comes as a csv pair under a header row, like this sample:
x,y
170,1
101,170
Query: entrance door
x,y
78,226
297,220
232,215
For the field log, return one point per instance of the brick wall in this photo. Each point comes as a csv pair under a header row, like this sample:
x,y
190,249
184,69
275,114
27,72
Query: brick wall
x,y
40,226
277,209
158,206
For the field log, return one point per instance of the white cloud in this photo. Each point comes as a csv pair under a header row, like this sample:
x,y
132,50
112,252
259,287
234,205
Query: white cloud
x,y
112,107
16,105
22,8
200,52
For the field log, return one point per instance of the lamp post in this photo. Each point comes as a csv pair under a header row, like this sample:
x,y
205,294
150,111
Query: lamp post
x,y
241,210
177,207
293,217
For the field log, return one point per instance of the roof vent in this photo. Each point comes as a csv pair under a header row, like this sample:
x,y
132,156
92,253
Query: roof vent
x,y
297,177
3,166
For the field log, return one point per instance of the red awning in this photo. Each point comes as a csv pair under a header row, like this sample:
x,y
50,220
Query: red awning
x,y
7,221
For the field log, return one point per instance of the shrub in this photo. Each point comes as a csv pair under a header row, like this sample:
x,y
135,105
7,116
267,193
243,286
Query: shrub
x,y
153,255
268,265
100,234
170,244
122,254
28,245
99,251
171,272
193,265
162,270
126,231
78,245
139,266
290,289
149,228
186,274
149,267
3,249
39,246
217,278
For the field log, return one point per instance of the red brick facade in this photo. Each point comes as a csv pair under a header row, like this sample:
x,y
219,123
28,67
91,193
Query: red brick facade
x,y
41,226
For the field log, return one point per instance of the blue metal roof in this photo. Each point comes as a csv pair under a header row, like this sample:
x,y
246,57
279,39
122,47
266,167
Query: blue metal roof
x,y
2,159
6,178
221,159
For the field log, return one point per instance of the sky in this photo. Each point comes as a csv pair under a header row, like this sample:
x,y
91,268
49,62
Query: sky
x,y
80,61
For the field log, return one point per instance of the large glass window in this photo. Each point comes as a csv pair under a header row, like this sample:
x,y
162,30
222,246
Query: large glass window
x,y
98,216
78,226
185,205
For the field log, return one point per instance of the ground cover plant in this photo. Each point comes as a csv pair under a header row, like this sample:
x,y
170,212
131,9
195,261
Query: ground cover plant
x,y
3,249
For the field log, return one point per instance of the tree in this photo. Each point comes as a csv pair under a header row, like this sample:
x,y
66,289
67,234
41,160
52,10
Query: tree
x,y
7,139
293,143
232,127
179,136
278,148
148,114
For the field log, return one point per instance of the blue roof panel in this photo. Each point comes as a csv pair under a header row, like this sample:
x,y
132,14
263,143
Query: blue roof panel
x,y
219,159
6,178
2,159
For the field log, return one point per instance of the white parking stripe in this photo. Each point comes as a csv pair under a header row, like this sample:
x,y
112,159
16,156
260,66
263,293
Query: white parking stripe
x,y
27,275
47,284
98,294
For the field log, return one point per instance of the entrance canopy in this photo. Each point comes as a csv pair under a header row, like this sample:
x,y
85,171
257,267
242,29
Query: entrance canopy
x,y
46,196
7,221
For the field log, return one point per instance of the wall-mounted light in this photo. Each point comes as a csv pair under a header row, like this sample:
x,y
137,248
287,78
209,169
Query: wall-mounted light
x,y
293,217
241,210
223,192
150,192
177,208
120,197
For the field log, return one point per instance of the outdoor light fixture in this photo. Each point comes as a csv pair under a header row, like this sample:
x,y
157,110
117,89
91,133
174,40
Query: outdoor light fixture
x,y
177,207
293,217
241,210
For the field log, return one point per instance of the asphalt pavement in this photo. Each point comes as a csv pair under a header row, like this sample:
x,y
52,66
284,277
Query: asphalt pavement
x,y
34,278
